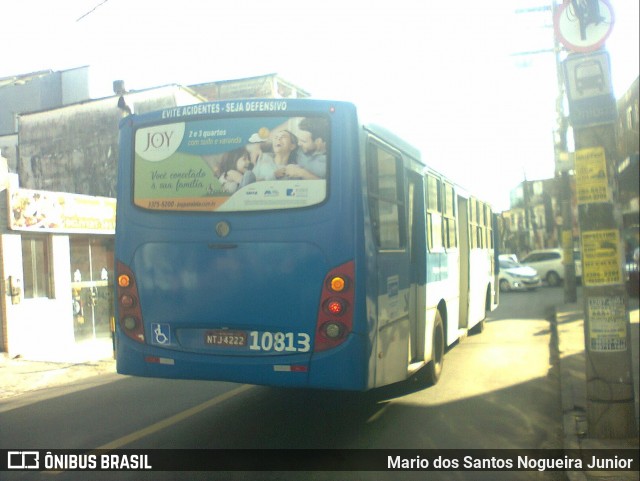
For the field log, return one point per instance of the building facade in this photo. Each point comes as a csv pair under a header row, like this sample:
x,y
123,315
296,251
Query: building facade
x,y
57,224
263,86
628,144
56,257
533,220
34,92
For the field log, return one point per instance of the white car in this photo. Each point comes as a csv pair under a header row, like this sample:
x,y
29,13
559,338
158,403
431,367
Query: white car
x,y
548,263
516,277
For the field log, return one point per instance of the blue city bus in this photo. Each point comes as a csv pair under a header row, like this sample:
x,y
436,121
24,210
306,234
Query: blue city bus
x,y
281,242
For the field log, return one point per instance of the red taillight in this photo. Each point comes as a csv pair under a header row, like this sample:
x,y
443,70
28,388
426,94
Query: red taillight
x,y
129,313
335,314
127,301
334,307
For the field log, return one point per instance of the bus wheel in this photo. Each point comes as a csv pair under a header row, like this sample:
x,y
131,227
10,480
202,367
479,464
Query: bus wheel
x,y
433,370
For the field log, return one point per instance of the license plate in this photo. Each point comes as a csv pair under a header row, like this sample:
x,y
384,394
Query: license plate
x,y
225,338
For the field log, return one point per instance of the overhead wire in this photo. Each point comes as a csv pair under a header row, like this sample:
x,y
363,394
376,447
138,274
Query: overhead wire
x,y
92,10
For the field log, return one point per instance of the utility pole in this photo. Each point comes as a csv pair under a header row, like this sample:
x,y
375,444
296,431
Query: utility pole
x,y
610,395
570,284
566,196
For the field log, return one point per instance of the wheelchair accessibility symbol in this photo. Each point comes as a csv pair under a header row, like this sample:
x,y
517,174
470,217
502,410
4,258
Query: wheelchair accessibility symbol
x,y
161,333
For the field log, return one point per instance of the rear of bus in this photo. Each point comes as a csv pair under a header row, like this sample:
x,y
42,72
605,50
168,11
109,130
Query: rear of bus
x,y
229,269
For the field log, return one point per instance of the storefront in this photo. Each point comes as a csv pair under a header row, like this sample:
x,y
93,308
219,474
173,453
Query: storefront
x,y
91,286
57,265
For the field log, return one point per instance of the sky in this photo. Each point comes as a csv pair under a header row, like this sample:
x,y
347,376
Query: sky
x,y
443,75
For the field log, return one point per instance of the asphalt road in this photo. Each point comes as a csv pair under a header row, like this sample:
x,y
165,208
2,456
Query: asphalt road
x,y
500,389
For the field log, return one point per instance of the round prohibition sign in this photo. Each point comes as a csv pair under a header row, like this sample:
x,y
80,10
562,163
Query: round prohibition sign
x,y
567,27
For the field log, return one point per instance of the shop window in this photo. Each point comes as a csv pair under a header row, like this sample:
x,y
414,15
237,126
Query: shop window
x,y
91,259
91,286
36,268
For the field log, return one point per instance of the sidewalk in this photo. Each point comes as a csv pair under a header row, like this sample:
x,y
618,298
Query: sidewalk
x,y
89,359
571,347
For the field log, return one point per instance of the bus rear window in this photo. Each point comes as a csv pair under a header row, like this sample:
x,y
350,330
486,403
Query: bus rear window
x,y
232,164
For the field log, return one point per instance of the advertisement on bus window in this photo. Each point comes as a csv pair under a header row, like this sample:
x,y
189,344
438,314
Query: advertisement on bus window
x,y
234,164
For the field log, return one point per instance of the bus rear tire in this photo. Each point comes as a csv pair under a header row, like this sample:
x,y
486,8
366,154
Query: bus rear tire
x,y
433,370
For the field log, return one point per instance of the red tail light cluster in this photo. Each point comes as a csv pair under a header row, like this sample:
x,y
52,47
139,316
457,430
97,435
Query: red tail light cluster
x,y
335,315
129,313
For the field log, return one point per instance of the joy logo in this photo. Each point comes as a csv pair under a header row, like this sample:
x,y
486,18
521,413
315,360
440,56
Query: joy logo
x,y
159,142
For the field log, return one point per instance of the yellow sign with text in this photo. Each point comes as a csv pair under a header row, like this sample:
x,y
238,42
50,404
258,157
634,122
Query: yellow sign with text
x,y
601,257
591,176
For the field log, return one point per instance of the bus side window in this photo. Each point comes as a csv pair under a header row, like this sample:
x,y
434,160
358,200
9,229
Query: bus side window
x,y
386,198
478,220
434,214
489,217
451,240
473,226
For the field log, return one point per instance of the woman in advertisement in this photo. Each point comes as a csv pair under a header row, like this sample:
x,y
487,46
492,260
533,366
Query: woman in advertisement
x,y
271,166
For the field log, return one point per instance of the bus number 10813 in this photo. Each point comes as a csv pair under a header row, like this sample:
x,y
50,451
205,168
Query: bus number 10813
x,y
260,341
279,341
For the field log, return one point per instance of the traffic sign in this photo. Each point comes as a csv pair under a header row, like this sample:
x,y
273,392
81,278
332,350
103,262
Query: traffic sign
x,y
583,25
589,90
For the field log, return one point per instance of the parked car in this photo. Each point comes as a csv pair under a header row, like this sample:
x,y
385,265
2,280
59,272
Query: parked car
x,y
516,277
508,257
548,263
